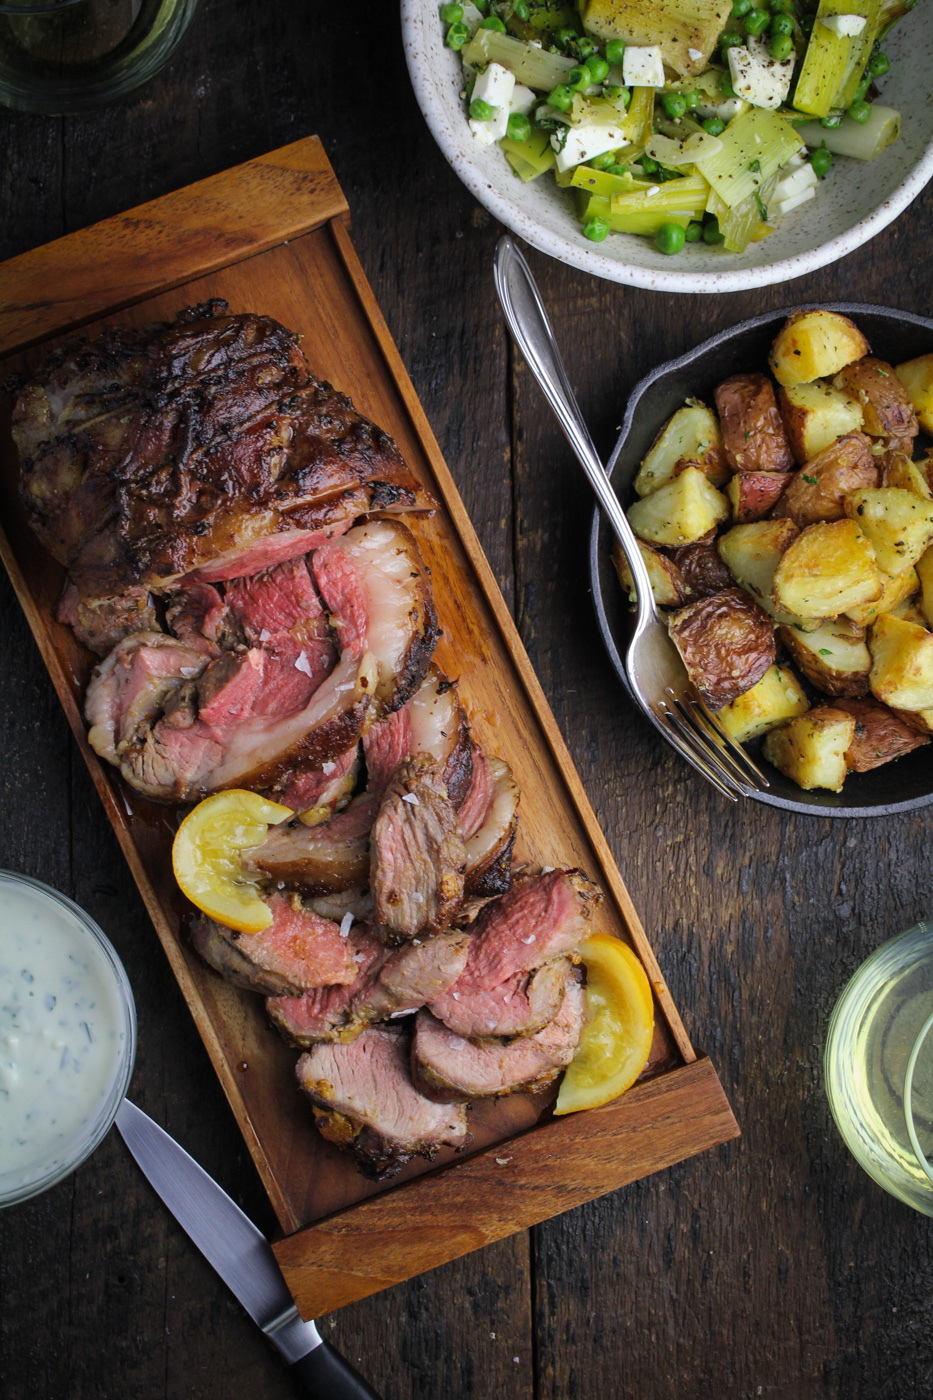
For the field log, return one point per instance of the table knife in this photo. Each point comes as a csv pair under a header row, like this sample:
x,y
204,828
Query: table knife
x,y
242,1256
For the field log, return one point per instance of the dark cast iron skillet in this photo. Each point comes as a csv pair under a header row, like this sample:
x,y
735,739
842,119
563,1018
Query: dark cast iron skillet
x,y
895,336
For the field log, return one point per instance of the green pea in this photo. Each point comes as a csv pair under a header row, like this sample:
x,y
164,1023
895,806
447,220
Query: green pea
x,y
780,47
451,14
604,161
521,11
712,233
757,22
614,92
480,111
862,89
616,169
725,86
713,126
493,22
599,68
692,100
741,7
615,51
782,7
670,239
832,121
821,160
730,41
860,112
595,229
879,64
781,24
482,6
578,78
674,104
561,97
648,165
519,127
693,233
584,48
457,36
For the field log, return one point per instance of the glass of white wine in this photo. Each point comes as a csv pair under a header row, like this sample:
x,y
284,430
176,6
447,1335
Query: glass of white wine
x,y
61,56
879,1066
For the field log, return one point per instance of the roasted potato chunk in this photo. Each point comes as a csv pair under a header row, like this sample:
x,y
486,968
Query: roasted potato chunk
x,y
726,642
818,490
811,749
924,573
893,591
701,569
880,735
772,700
835,658
753,494
901,664
898,470
887,411
828,569
815,416
910,611
680,512
815,345
917,378
752,429
752,553
898,523
691,438
666,582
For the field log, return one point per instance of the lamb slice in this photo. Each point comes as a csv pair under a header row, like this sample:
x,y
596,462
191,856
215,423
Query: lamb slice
x,y
519,1006
433,722
363,1098
220,951
489,846
299,949
131,685
197,610
414,975
326,1013
449,1068
417,857
100,623
277,604
378,594
319,859
316,788
541,919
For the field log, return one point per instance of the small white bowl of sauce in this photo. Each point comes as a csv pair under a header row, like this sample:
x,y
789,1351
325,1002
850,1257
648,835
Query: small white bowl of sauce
x,y
67,1037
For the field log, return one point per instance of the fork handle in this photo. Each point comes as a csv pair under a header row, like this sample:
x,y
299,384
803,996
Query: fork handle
x,y
528,322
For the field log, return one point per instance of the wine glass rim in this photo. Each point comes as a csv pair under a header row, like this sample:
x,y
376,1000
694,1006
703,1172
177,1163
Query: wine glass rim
x,y
36,7
908,1098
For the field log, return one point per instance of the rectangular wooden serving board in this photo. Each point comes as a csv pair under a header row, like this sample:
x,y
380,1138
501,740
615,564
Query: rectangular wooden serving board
x,y
272,236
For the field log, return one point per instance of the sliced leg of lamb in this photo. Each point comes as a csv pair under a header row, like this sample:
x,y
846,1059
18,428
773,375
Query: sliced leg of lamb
x,y
316,788
450,1068
299,950
99,623
490,843
363,1098
378,595
433,722
328,1013
131,685
538,921
417,857
199,612
414,975
319,859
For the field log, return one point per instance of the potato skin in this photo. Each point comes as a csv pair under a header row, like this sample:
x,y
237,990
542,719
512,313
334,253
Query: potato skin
x,y
701,569
817,492
815,344
727,644
815,416
753,494
851,677
753,432
880,735
887,411
667,585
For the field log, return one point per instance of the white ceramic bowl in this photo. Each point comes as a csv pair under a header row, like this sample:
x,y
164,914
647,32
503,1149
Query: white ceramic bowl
x,y
856,201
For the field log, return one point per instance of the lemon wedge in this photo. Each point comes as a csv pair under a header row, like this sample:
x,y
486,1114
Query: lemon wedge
x,y
206,856
618,1029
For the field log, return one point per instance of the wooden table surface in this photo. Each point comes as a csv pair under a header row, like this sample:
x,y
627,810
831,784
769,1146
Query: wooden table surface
x,y
771,1267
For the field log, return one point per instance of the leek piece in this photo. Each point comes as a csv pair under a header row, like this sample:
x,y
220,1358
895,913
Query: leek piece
x,y
639,121
535,67
753,148
642,221
826,61
850,139
739,225
676,154
530,158
584,177
681,27
546,18
645,210
859,54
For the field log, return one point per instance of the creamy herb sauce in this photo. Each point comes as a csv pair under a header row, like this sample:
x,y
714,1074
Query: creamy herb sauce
x,y
62,1035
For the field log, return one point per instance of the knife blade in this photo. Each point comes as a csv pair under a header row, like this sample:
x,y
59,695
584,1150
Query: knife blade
x,y
242,1256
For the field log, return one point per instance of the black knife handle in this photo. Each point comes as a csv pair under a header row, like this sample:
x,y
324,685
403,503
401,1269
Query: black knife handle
x,y
323,1374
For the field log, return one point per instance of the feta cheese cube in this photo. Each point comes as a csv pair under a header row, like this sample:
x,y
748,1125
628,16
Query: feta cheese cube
x,y
523,100
780,207
762,80
725,108
642,67
795,181
496,85
576,144
844,26
488,133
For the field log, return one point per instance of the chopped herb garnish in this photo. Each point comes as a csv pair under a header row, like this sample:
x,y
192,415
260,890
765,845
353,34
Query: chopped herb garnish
x,y
811,479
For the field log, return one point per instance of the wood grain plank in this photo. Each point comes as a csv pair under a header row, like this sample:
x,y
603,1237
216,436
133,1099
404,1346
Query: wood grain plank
x,y
420,1224
159,245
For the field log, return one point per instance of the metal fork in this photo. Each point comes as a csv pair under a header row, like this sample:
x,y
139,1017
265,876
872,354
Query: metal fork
x,y
656,674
